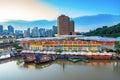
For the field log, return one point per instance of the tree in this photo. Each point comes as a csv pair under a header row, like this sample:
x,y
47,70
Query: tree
x,y
117,46
59,50
17,47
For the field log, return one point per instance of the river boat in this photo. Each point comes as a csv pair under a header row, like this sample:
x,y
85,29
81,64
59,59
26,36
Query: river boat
x,y
74,59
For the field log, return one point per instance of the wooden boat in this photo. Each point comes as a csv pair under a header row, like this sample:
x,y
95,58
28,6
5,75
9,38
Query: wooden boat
x,y
28,58
43,59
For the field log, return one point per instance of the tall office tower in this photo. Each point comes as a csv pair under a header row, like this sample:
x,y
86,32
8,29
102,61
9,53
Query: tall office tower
x,y
28,32
25,33
10,30
42,32
65,26
1,29
34,32
71,27
54,28
18,33
49,33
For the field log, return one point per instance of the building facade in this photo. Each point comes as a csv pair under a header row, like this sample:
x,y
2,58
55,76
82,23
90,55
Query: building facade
x,y
35,32
10,30
65,26
1,29
55,30
42,32
71,26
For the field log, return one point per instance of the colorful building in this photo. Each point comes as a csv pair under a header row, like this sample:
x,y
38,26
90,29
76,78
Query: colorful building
x,y
66,45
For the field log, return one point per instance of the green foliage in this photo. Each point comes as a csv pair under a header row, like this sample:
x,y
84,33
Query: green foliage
x,y
59,50
117,46
16,46
113,31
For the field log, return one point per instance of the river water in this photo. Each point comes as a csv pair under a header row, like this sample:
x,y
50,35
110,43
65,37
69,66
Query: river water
x,y
16,69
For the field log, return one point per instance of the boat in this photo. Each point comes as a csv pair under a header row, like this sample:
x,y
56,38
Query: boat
x,y
85,60
53,58
28,58
4,56
74,59
42,59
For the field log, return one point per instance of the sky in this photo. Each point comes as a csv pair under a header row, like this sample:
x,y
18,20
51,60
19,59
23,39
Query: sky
x,y
50,9
32,10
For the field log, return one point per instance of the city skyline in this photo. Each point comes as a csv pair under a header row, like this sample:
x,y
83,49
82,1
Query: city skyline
x,y
18,12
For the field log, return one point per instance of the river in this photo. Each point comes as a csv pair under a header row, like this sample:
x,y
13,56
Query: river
x,y
16,69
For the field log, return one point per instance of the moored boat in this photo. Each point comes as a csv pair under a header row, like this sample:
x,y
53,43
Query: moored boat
x,y
74,59
4,56
42,59
28,58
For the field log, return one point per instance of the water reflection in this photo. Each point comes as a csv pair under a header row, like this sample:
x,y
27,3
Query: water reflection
x,y
61,70
108,64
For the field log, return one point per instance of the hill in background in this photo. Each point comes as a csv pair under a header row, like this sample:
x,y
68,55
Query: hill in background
x,y
105,31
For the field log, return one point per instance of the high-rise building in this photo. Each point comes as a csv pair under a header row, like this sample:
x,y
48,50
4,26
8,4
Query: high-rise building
x,y
5,32
54,29
65,26
28,32
35,32
42,32
10,30
71,27
49,33
1,29
25,33
18,33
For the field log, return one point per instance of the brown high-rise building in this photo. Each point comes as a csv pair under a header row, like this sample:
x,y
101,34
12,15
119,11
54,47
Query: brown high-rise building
x,y
71,27
65,26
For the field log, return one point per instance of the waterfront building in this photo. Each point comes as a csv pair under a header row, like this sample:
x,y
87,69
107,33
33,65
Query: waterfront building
x,y
6,41
10,30
65,26
1,29
66,44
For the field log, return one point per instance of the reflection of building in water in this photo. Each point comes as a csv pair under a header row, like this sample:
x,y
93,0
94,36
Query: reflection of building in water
x,y
116,65
41,66
29,65
101,63
38,66
65,63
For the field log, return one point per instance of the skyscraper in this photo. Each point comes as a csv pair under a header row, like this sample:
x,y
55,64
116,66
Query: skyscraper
x,y
65,26
18,33
34,32
28,32
54,29
1,29
49,33
42,32
10,30
71,26
25,33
